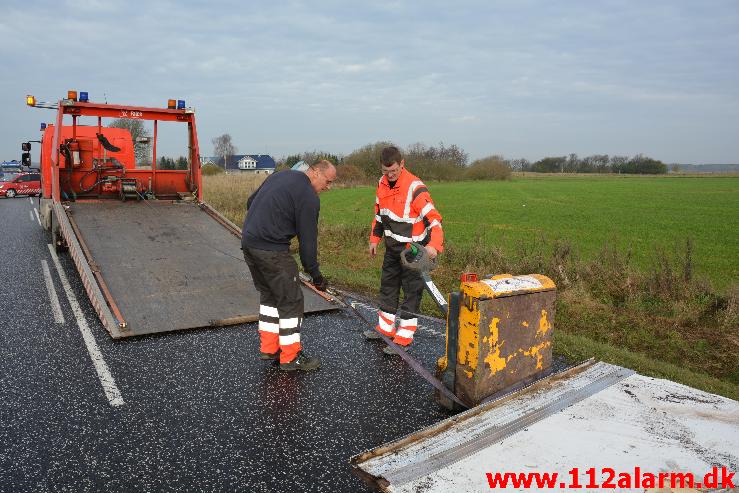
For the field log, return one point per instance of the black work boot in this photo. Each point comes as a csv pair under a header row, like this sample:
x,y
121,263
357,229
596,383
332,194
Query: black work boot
x,y
269,356
301,362
371,334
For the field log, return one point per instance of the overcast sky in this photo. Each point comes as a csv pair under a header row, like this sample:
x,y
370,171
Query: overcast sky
x,y
521,78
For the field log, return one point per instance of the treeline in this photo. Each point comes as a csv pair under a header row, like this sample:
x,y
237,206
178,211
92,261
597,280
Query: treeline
x,y
170,163
597,163
440,163
451,163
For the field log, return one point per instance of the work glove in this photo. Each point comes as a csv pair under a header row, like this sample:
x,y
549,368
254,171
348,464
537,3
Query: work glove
x,y
320,283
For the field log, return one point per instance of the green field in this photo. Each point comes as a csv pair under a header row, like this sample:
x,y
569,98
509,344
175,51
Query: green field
x,y
636,214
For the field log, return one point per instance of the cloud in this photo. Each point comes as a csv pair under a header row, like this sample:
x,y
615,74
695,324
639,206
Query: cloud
x,y
636,93
382,64
412,71
87,6
464,119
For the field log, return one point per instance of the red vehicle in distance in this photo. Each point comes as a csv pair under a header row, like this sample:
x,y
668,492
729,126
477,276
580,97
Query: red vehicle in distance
x,y
22,184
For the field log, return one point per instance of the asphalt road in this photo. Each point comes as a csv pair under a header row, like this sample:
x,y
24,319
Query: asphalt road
x,y
185,411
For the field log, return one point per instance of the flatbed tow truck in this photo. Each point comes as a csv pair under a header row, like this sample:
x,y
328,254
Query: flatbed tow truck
x,y
152,255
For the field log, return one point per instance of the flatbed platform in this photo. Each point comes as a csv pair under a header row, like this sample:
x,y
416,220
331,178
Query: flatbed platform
x,y
169,265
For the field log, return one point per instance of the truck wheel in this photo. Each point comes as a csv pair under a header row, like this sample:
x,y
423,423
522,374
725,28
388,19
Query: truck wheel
x,y
10,193
45,213
57,239
60,245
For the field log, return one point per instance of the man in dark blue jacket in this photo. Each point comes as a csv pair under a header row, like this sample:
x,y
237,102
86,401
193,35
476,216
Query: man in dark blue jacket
x,y
284,206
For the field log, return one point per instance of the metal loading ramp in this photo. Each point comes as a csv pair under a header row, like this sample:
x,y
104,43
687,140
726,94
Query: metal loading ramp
x,y
168,265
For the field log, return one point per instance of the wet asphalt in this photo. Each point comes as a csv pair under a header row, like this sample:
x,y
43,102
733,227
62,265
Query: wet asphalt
x,y
201,412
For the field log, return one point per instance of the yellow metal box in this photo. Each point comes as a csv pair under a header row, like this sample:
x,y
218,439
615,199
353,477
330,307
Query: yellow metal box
x,y
505,333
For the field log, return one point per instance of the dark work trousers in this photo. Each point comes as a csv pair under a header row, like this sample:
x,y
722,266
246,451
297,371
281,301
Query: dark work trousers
x,y
394,277
275,275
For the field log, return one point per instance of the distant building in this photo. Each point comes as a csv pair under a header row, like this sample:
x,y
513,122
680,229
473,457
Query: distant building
x,y
243,163
208,160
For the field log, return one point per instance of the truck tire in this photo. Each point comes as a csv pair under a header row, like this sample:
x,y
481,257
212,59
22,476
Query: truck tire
x,y
45,213
57,238
10,193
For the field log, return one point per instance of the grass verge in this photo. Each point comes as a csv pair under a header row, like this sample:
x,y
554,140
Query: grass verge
x,y
661,321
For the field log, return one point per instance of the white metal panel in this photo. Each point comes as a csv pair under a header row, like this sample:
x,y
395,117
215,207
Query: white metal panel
x,y
657,425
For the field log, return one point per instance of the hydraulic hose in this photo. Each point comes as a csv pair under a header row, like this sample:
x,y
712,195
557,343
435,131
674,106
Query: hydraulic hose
x,y
98,169
64,148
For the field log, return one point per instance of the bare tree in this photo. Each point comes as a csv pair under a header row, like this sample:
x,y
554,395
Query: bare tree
x,y
618,163
223,147
521,164
600,162
140,136
367,158
571,164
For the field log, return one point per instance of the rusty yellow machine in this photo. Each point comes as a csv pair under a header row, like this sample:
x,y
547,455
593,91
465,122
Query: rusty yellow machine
x,y
499,332
499,335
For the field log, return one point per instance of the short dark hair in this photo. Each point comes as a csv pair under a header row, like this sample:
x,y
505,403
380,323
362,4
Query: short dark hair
x,y
391,155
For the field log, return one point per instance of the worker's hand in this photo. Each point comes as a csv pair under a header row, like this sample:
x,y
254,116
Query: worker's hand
x,y
432,252
320,283
373,249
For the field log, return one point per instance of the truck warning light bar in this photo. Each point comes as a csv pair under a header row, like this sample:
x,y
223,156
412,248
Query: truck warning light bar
x,y
72,97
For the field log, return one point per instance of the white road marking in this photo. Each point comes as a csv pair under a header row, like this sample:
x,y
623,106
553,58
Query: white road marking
x,y
30,200
56,308
37,216
30,213
106,379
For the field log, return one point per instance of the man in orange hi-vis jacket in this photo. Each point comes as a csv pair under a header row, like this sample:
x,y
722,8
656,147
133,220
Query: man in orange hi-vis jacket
x,y
404,213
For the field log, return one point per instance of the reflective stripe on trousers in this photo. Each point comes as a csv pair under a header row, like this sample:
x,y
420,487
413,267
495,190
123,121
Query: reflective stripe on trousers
x,y
278,333
386,323
406,330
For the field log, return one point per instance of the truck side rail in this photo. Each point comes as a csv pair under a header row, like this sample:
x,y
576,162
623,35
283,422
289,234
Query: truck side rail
x,y
113,326
227,223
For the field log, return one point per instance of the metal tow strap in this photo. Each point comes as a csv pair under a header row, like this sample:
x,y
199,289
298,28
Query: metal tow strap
x,y
417,367
412,361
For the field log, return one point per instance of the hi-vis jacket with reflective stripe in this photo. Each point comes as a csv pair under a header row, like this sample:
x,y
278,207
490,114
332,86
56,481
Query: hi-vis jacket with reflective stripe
x,y
406,213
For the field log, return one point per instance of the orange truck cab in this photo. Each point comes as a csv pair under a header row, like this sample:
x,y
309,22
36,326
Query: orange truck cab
x,y
96,161
84,158
92,166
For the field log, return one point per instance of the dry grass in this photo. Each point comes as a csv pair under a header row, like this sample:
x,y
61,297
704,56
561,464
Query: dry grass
x,y
228,193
